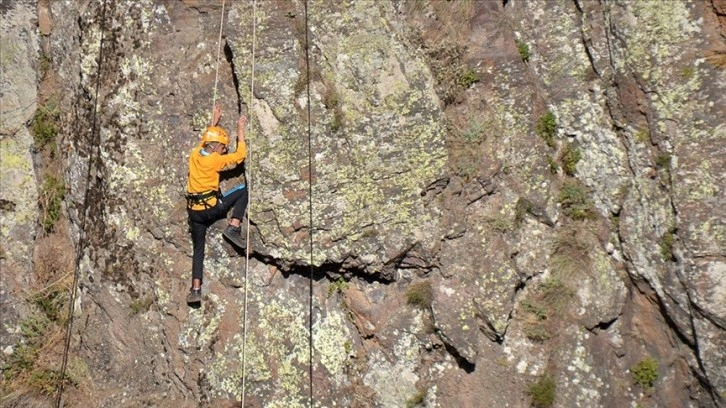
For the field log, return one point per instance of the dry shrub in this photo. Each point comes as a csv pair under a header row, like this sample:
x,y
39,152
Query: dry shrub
x,y
443,34
546,306
571,253
54,258
449,16
32,371
420,294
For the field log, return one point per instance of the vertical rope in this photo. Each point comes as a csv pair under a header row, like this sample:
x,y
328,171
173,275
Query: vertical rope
x,y
310,205
248,164
95,142
219,48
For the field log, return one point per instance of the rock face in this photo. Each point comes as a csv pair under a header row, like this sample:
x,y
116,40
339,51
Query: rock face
x,y
18,186
452,203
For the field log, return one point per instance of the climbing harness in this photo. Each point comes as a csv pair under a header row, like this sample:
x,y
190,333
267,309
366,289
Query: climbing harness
x,y
202,199
95,135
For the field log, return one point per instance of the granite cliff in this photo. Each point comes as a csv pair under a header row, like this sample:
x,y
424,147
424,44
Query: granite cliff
x,y
513,203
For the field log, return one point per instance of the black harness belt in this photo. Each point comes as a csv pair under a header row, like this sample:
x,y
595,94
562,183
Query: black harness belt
x,y
201,198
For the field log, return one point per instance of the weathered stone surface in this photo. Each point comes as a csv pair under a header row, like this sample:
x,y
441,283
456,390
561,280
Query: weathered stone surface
x,y
18,185
367,179
393,97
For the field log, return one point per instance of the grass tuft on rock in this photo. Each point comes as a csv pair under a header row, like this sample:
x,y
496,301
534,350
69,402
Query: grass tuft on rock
x,y
569,158
417,399
45,124
645,373
420,294
523,49
53,190
575,200
546,128
337,286
543,391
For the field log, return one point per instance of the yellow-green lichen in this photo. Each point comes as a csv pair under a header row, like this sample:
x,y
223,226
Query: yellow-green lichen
x,y
89,56
349,166
276,342
565,55
163,297
394,380
329,337
702,186
200,329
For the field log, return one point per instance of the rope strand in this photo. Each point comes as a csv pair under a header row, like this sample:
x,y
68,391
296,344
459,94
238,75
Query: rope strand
x,y
249,200
219,47
81,234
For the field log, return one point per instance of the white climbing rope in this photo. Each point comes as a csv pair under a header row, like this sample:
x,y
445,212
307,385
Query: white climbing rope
x,y
219,48
248,169
248,177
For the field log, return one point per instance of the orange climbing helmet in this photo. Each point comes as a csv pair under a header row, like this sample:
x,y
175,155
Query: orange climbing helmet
x,y
215,134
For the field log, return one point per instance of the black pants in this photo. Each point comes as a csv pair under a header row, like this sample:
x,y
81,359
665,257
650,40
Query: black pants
x,y
200,220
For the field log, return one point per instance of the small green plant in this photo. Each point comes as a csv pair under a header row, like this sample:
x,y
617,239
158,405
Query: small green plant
x,y
25,353
523,49
645,373
666,245
570,156
554,167
34,327
330,97
417,399
53,190
688,72
663,160
468,78
45,64
141,304
474,133
370,232
337,122
642,135
337,286
542,392
45,124
347,346
500,223
522,208
537,332
535,324
575,200
52,303
420,294
331,101
44,381
538,311
466,169
547,128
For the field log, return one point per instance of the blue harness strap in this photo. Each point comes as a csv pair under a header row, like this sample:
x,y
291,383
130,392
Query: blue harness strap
x,y
233,189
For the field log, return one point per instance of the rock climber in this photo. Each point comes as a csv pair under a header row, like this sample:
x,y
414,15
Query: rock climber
x,y
205,203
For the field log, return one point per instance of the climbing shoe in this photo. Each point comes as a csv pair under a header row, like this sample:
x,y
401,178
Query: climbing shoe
x,y
234,235
194,296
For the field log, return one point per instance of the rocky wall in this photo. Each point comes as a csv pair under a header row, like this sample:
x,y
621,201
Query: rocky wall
x,y
460,251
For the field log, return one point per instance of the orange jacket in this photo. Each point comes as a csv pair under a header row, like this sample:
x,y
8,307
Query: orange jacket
x,y
204,170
